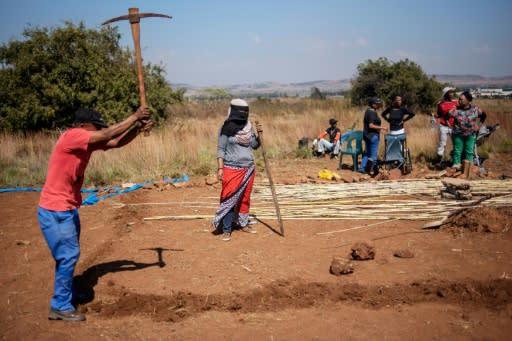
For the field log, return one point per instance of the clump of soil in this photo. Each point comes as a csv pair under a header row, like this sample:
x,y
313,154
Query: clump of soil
x,y
341,266
403,253
481,219
363,251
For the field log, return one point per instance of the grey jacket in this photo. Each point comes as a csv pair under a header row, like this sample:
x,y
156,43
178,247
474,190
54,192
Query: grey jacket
x,y
235,154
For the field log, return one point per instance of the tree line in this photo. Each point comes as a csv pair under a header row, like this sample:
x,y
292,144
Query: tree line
x,y
54,71
383,78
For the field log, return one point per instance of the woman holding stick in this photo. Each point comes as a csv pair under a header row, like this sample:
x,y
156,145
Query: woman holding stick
x,y
235,169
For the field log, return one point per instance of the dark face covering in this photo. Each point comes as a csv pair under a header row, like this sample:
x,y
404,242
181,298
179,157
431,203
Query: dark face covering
x,y
236,121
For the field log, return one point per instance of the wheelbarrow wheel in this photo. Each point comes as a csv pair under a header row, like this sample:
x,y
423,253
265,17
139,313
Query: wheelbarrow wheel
x,y
407,165
390,165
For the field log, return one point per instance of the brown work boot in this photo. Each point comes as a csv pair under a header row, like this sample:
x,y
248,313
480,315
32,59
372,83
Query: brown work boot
x,y
436,163
72,315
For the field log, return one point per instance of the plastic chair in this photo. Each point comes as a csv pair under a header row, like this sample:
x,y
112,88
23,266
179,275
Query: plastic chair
x,y
353,146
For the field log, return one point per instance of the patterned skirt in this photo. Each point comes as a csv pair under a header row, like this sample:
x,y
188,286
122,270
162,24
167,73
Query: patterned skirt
x,y
236,193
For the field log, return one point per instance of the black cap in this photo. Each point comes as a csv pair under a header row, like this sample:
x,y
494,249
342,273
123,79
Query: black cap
x,y
374,100
333,121
85,115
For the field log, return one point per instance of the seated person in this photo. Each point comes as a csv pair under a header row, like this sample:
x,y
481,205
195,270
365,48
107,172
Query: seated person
x,y
332,145
396,115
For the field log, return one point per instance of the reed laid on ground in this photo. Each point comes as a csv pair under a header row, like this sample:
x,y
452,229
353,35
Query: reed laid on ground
x,y
406,200
186,143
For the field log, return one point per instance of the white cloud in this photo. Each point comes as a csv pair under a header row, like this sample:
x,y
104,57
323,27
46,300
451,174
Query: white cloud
x,y
404,54
255,39
320,44
481,49
360,41
427,59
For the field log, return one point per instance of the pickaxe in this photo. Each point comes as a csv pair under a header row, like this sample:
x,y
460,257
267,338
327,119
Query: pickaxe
x,y
134,17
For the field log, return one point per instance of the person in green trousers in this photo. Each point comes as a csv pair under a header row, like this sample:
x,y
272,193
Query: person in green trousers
x,y
468,118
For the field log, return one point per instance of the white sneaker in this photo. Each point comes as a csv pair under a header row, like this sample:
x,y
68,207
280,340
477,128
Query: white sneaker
x,y
226,236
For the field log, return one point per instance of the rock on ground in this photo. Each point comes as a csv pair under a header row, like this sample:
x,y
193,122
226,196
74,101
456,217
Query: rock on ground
x,y
341,266
403,253
363,251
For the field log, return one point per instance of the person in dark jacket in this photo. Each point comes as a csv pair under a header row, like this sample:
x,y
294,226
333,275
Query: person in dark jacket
x,y
371,136
397,114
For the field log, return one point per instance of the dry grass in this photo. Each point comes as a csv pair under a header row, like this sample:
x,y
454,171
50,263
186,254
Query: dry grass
x,y
187,142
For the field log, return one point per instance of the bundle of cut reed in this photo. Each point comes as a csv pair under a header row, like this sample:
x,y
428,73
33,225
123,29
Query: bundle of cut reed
x,y
405,200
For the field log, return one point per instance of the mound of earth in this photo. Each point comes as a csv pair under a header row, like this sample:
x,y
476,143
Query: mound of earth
x,y
482,219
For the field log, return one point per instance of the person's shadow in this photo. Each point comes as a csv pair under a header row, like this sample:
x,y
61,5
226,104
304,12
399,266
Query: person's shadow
x,y
84,283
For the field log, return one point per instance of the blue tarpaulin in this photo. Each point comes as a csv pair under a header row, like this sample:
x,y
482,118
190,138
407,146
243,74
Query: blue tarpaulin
x,y
93,198
20,189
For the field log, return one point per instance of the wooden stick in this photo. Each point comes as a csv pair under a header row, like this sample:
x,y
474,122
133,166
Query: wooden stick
x,y
358,227
135,27
177,217
271,182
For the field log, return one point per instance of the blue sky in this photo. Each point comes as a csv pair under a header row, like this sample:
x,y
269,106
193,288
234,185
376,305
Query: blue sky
x,y
232,42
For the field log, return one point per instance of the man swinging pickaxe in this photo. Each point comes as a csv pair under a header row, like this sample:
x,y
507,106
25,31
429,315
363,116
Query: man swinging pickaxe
x,y
134,17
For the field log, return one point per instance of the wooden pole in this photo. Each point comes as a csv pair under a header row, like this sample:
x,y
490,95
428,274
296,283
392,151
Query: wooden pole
x,y
135,27
271,182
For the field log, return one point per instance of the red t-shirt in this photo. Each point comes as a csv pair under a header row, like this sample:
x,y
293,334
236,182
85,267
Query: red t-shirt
x,y
442,110
70,156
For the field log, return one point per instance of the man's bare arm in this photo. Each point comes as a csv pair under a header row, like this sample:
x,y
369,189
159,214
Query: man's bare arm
x,y
118,129
128,136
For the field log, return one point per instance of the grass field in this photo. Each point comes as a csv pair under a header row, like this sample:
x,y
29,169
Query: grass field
x,y
186,143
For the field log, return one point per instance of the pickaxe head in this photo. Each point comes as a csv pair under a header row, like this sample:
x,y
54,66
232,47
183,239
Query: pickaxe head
x,y
134,16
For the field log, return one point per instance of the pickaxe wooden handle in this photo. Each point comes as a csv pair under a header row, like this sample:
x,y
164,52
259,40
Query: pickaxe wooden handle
x,y
134,17
271,182
135,26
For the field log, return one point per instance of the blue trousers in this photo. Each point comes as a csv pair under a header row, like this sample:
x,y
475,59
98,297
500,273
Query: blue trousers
x,y
371,148
62,233
228,220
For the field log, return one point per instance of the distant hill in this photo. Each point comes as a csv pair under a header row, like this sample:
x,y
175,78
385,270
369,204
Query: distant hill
x,y
475,81
273,88
336,86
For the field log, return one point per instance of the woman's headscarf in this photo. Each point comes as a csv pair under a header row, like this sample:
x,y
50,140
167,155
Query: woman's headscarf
x,y
237,124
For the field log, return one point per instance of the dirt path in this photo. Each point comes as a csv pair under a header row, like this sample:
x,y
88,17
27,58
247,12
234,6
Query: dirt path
x,y
161,280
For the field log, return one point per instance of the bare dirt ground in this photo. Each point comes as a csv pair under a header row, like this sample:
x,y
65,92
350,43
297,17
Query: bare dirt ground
x,y
163,280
